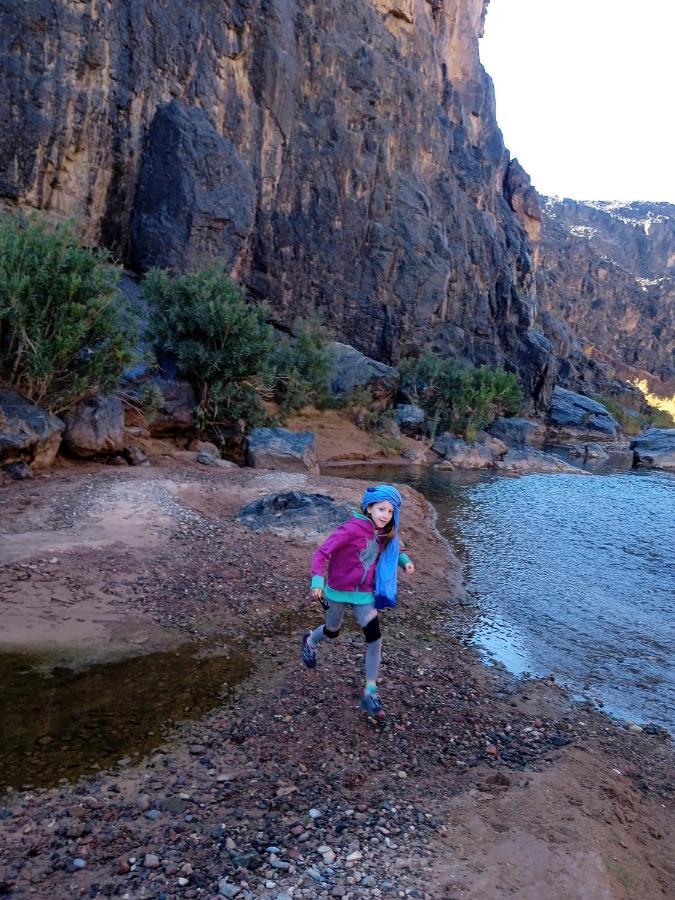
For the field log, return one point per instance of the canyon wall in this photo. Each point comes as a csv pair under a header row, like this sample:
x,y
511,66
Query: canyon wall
x,y
608,272
340,157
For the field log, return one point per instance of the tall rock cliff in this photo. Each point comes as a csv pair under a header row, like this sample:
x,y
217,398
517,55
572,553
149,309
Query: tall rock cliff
x,y
340,157
608,271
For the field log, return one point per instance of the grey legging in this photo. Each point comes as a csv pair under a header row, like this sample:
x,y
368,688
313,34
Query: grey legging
x,y
364,613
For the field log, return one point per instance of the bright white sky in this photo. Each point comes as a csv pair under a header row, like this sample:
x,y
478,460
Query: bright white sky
x,y
586,94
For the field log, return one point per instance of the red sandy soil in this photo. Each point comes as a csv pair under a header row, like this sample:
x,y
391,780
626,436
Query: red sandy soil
x,y
473,786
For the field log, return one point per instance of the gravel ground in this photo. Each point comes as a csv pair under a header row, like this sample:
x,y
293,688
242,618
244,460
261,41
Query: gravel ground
x,y
286,789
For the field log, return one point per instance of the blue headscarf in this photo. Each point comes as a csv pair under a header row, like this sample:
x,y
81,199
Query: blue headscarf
x,y
386,574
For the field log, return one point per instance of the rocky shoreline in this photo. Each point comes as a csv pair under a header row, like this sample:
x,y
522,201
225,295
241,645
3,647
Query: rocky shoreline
x,y
474,786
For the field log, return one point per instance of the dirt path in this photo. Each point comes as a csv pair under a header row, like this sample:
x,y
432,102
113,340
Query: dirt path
x,y
474,786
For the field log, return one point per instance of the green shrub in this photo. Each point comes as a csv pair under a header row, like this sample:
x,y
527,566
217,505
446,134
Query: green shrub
x,y
221,343
63,335
302,367
459,398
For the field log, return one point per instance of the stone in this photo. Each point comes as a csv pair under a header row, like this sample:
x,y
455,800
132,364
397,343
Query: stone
x,y
95,426
28,433
198,446
517,432
135,456
281,449
529,461
576,415
195,196
464,455
18,471
175,413
353,370
655,448
227,889
296,512
411,419
151,861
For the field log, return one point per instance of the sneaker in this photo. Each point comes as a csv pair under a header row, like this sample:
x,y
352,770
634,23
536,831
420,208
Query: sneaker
x,y
308,652
371,704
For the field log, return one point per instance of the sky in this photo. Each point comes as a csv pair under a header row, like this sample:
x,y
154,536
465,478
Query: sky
x,y
585,94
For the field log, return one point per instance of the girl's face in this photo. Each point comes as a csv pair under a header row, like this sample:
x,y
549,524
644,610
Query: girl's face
x,y
381,513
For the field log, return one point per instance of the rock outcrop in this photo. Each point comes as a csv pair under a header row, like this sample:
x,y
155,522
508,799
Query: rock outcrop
x,y
575,416
608,272
28,433
655,448
341,157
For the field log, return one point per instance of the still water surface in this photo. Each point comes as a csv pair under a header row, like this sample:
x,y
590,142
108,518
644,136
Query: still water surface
x,y
571,575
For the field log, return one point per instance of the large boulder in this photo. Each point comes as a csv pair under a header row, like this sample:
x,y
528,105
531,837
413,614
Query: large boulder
x,y
353,370
577,416
410,419
518,432
460,454
28,433
294,512
95,426
279,448
655,448
195,197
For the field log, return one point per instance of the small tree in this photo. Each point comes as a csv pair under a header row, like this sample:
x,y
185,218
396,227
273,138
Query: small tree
x,y
63,335
459,398
302,368
220,342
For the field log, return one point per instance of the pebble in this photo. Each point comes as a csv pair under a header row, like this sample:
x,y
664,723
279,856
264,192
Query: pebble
x,y
315,813
151,861
79,863
227,889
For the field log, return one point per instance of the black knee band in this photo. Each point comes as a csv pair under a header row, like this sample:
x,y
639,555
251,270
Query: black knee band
x,y
330,634
372,630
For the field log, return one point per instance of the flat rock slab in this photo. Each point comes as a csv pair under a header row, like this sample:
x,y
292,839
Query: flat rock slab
x,y
527,461
294,511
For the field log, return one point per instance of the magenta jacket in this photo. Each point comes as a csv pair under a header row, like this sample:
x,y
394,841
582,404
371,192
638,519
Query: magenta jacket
x,y
350,555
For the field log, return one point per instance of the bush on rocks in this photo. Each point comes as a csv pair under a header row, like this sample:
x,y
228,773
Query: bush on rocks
x,y
302,368
221,343
459,398
63,336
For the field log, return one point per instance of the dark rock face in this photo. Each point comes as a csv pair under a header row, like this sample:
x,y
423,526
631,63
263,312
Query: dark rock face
x,y
28,433
341,157
195,198
608,272
308,513
574,415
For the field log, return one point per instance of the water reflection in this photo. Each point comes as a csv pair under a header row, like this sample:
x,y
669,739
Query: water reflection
x,y
58,723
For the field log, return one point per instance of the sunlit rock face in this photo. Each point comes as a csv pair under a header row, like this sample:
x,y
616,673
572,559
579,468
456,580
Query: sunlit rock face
x,y
340,156
608,271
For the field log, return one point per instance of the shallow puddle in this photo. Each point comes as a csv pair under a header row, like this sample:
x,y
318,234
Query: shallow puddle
x,y
59,723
